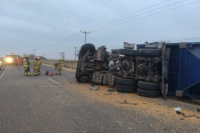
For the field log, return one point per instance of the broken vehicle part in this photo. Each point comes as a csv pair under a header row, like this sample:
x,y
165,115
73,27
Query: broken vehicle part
x,y
94,87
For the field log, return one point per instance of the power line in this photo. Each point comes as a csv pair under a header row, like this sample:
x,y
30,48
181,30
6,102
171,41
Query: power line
x,y
125,16
131,19
143,13
130,14
113,19
133,14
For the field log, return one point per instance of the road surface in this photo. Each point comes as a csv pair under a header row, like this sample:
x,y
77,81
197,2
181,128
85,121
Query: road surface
x,y
58,104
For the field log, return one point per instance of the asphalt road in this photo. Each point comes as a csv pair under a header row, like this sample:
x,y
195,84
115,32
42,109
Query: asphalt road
x,y
44,104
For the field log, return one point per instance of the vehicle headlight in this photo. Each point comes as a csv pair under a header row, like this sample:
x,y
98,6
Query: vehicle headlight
x,y
9,60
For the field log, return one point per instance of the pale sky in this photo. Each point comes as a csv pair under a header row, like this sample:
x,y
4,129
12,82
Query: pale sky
x,y
53,26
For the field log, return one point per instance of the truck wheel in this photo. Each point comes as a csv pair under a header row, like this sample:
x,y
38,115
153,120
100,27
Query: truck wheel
x,y
124,81
83,77
124,88
150,52
85,47
149,86
151,94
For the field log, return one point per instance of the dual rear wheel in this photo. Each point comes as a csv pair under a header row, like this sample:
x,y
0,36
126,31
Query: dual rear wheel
x,y
148,89
126,85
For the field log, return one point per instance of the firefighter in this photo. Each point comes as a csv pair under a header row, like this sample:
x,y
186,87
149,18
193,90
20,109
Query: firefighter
x,y
35,66
39,65
26,66
59,67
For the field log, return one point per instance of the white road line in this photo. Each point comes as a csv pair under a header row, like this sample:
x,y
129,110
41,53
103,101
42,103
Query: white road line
x,y
3,73
53,81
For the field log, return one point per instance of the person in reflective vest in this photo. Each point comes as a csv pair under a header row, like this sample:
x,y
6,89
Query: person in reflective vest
x,y
59,67
39,65
26,64
35,66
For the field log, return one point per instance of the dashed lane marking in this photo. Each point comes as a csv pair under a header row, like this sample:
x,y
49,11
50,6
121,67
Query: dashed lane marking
x,y
3,73
53,81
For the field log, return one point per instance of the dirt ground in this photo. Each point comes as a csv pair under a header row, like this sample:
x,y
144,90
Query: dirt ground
x,y
158,107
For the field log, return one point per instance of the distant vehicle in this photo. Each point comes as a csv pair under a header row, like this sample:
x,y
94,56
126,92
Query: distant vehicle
x,y
11,59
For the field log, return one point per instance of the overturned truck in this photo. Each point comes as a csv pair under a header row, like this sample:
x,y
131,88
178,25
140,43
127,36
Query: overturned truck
x,y
151,70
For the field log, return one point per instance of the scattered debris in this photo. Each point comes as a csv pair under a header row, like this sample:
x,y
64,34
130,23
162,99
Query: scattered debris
x,y
51,74
177,109
189,115
125,102
94,87
198,110
107,93
178,112
111,90
184,116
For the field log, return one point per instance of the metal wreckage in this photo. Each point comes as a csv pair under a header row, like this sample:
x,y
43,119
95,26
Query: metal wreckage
x,y
150,69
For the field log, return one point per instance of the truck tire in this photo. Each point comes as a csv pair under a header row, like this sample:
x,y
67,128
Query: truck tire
x,y
152,94
148,86
85,47
150,52
124,88
83,77
124,81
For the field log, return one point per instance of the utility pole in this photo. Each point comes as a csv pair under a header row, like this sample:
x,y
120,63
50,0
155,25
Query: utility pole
x,y
85,32
44,54
75,52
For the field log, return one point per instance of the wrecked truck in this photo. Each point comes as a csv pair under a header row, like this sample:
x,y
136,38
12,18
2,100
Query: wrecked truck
x,y
150,70
115,68
126,69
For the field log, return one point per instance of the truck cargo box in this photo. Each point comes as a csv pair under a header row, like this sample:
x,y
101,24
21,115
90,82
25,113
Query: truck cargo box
x,y
183,76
